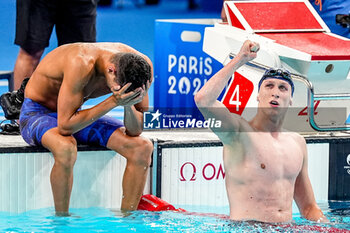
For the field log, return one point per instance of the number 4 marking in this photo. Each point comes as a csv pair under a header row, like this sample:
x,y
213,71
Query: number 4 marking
x,y
304,111
236,101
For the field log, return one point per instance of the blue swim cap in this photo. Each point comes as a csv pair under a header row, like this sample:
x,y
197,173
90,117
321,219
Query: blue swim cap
x,y
277,74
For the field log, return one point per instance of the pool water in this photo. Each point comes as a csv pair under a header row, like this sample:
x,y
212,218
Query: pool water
x,y
106,220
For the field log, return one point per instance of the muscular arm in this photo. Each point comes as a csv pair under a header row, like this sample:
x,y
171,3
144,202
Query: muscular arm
x,y
70,98
206,98
303,193
133,117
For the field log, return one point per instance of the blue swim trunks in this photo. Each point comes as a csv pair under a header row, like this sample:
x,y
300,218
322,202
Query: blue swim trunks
x,y
35,120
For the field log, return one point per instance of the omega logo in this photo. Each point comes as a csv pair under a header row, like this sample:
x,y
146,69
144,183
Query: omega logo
x,y
209,172
348,162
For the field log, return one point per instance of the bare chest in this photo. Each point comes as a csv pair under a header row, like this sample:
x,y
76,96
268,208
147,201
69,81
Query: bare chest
x,y
259,156
275,158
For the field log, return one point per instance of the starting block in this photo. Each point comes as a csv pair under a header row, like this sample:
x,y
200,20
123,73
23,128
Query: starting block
x,y
293,36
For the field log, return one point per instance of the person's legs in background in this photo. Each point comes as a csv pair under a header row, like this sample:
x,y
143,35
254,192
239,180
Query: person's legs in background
x,y
34,24
25,66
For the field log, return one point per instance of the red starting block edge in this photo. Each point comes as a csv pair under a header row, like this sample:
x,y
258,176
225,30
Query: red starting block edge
x,y
150,202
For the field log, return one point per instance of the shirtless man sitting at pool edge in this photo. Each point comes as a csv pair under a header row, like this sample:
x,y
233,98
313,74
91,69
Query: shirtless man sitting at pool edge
x,y
265,166
51,114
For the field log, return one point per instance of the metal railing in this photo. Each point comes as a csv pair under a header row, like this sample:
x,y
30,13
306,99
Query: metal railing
x,y
312,97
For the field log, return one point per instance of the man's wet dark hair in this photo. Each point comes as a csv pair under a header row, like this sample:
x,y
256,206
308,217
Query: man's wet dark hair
x,y
132,68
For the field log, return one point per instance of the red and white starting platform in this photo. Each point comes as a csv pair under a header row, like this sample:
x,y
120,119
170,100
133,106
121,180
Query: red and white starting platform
x,y
293,36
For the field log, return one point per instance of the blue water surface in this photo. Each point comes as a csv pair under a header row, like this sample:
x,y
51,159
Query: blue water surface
x,y
209,219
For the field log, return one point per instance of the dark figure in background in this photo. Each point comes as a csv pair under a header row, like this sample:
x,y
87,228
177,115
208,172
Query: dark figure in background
x,y
329,9
74,21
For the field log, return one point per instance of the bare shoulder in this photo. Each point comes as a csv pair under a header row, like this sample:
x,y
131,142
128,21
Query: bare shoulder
x,y
63,59
296,137
73,52
299,140
79,60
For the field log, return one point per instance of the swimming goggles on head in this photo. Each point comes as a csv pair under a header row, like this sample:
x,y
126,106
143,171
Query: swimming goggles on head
x,y
278,74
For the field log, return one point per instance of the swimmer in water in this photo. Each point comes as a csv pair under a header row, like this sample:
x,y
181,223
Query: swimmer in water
x,y
265,166
51,114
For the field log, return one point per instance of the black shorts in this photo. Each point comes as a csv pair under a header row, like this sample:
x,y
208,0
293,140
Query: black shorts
x,y
75,21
